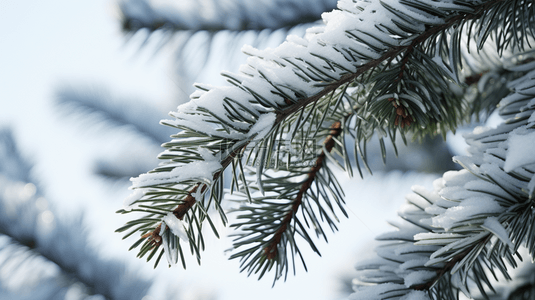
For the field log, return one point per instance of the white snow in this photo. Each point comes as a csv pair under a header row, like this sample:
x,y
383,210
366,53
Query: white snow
x,y
455,178
415,295
521,151
431,196
162,229
128,201
206,155
374,292
176,226
418,277
480,129
454,193
262,126
168,252
412,263
425,236
466,210
202,170
493,225
489,188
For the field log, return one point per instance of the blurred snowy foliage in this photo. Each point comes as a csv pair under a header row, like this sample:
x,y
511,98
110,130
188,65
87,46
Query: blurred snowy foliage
x,y
212,15
139,117
12,164
45,256
97,107
203,31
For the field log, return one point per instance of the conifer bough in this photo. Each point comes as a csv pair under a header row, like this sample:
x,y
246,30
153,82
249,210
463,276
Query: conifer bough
x,y
389,67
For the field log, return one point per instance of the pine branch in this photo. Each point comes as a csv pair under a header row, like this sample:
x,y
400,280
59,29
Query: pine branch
x,y
271,249
473,220
154,237
405,51
276,88
270,222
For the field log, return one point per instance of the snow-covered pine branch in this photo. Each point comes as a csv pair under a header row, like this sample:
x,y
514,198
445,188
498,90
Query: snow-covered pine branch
x,y
475,219
389,46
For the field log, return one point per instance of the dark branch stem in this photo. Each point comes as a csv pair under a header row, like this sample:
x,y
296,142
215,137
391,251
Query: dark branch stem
x,y
188,202
271,249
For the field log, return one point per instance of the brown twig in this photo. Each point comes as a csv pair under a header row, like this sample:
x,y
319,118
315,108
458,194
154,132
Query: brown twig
x,y
271,249
188,202
154,237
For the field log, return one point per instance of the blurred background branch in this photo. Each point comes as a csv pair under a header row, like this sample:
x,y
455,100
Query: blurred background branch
x,y
44,255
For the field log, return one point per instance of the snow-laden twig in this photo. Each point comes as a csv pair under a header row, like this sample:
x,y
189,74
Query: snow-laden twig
x,y
475,219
